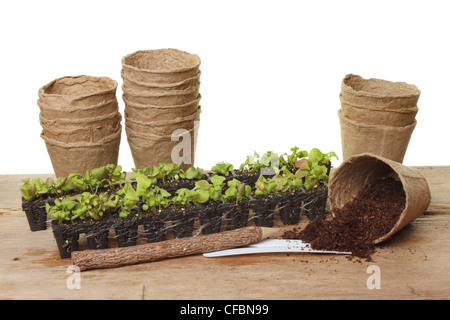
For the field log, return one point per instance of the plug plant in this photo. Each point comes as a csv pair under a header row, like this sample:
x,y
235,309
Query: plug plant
x,y
216,189
236,191
290,159
37,188
264,187
97,178
85,197
315,168
155,200
33,189
185,197
93,181
168,172
311,169
115,174
254,164
222,168
82,206
128,199
299,180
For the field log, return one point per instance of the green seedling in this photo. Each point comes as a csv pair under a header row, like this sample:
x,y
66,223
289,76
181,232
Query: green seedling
x,y
155,199
255,163
316,157
298,169
222,168
114,173
128,199
209,191
82,206
62,208
215,191
236,191
34,188
289,160
168,172
186,196
264,186
193,173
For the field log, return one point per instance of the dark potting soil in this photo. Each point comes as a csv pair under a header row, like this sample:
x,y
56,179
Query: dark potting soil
x,y
370,215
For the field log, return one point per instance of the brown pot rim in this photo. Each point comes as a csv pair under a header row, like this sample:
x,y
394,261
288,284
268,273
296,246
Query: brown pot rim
x,y
113,86
411,89
195,58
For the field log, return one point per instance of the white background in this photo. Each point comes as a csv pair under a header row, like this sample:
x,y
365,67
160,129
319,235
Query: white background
x,y
271,70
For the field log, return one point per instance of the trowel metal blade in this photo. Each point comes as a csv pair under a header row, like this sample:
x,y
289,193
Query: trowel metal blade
x,y
271,246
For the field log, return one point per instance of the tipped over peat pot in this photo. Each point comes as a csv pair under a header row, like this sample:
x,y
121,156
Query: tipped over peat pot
x,y
358,171
371,198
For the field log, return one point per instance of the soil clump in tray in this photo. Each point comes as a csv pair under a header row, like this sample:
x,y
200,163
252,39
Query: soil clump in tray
x,y
371,214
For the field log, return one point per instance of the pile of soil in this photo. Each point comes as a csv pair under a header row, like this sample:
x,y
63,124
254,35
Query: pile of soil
x,y
371,214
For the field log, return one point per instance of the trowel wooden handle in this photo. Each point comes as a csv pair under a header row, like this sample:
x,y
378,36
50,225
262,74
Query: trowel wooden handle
x,y
116,257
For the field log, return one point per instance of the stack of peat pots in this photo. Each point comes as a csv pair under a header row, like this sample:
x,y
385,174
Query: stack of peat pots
x,y
81,123
377,116
161,96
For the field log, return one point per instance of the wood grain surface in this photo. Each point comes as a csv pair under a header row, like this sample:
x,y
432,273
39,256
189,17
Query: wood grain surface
x,y
413,264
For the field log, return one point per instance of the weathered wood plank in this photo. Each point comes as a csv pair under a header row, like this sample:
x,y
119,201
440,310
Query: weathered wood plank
x,y
413,264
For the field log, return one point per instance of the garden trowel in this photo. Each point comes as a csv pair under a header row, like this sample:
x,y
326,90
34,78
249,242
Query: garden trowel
x,y
180,247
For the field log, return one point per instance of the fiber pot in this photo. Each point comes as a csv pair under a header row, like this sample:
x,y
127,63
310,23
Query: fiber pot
x,y
163,127
160,66
53,112
162,97
160,113
358,171
78,91
389,142
106,120
131,84
148,150
378,93
77,157
364,115
86,134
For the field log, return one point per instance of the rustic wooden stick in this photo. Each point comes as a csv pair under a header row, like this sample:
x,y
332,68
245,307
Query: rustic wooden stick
x,y
116,257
